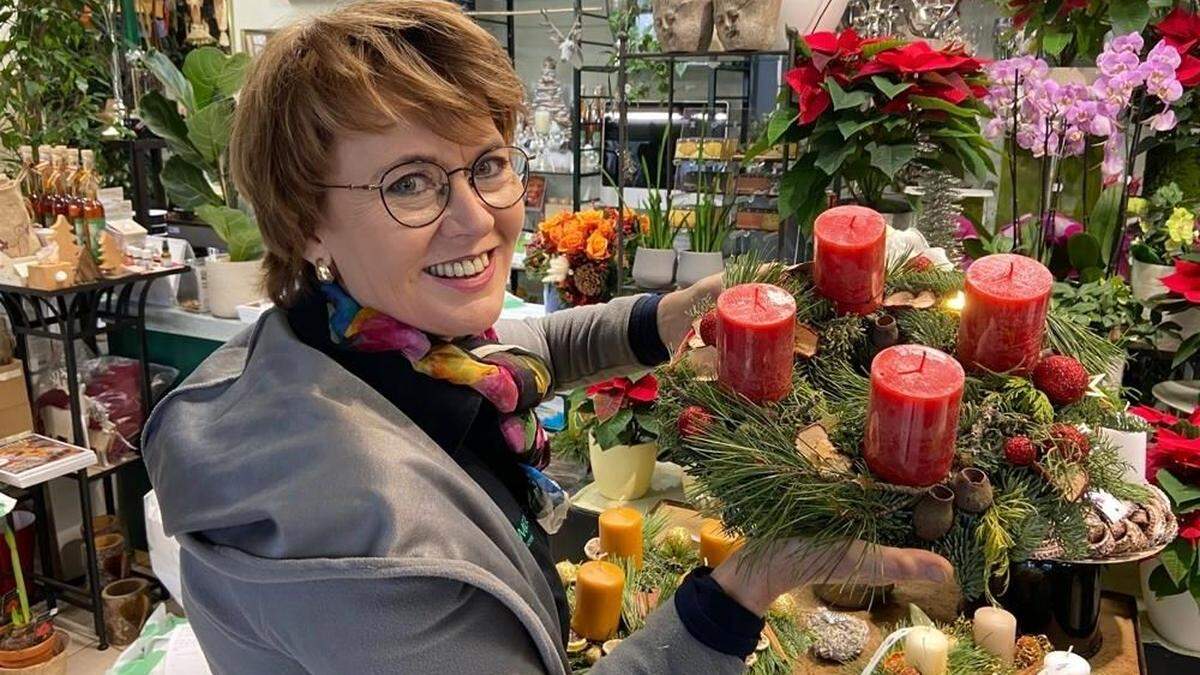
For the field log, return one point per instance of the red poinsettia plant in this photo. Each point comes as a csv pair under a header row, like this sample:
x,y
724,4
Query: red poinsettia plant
x,y
1184,287
623,410
1181,30
869,108
1173,463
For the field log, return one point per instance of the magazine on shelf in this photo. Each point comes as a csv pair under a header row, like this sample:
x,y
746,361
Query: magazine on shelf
x,y
29,459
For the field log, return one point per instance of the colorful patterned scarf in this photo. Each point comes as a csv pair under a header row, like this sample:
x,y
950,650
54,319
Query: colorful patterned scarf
x,y
512,379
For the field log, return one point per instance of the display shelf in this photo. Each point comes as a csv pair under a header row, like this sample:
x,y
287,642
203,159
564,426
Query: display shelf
x,y
178,321
702,56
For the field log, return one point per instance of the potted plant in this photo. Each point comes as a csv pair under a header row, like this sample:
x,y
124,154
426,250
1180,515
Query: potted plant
x,y
1175,155
711,221
1108,308
1171,582
623,439
197,175
654,260
1167,234
863,106
29,641
1073,32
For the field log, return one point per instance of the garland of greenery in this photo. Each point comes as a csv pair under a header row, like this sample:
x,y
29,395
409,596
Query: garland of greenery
x,y
746,459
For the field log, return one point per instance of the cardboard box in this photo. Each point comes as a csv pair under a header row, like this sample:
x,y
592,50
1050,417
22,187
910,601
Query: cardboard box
x,y
15,414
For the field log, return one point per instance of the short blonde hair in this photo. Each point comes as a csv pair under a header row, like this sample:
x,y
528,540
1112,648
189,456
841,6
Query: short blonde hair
x,y
360,68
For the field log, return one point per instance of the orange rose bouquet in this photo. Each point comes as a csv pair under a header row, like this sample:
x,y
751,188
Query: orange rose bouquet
x,y
574,252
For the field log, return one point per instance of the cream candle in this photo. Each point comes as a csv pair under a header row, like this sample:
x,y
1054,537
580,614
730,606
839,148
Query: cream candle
x,y
927,649
996,632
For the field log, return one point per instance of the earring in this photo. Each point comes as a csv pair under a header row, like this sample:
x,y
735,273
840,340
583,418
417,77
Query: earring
x,y
324,271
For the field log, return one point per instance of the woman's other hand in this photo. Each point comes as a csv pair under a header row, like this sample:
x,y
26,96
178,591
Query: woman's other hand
x,y
675,311
756,579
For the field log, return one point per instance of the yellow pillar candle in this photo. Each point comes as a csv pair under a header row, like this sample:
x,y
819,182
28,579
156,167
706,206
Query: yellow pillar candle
x,y
598,587
715,543
996,632
927,650
621,534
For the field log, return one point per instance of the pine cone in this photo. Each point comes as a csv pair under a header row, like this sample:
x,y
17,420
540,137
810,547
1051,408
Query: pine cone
x,y
591,279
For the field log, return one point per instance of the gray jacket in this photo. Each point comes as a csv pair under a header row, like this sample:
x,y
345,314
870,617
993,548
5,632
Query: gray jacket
x,y
323,532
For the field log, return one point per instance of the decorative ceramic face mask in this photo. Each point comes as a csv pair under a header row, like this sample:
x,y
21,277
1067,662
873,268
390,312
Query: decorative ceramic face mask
x,y
747,24
683,25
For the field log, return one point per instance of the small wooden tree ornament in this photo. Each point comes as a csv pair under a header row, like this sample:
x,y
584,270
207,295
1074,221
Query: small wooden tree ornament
x,y
111,256
64,236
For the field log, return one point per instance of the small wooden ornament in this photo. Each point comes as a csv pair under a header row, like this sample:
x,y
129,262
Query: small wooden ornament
x,y
51,276
86,269
922,300
806,341
111,257
812,442
64,237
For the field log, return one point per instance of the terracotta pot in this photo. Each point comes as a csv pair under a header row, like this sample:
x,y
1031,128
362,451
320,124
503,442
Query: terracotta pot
x,y
747,25
1175,617
683,25
654,268
104,523
623,471
231,284
695,266
46,657
126,606
111,558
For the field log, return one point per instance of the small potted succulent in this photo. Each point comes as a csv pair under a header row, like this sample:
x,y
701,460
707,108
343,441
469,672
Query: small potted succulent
x,y
623,439
29,642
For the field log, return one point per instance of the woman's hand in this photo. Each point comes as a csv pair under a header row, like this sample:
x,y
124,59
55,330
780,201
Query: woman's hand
x,y
755,580
676,308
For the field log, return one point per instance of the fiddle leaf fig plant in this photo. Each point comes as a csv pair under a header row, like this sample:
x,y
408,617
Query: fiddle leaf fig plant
x,y
197,175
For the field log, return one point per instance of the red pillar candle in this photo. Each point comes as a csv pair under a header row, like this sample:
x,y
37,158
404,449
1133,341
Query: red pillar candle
x,y
850,249
756,328
912,416
1004,318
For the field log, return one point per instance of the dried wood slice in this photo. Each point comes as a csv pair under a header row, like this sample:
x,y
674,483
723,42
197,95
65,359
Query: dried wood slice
x,y
922,300
806,340
812,442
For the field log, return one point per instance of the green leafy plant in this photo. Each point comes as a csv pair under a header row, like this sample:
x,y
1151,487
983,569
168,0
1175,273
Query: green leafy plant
x,y
1168,226
1105,306
623,410
199,141
661,232
646,76
53,74
711,217
1070,31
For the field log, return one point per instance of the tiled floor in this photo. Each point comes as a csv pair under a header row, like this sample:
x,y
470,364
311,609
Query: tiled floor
x,y
82,656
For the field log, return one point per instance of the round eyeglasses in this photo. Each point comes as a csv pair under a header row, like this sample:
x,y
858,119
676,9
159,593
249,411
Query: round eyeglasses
x,y
416,193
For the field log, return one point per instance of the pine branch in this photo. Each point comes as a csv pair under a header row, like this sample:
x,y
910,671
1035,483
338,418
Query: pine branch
x,y
1065,336
930,327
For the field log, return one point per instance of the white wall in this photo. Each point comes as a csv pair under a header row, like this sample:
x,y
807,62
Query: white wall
x,y
268,14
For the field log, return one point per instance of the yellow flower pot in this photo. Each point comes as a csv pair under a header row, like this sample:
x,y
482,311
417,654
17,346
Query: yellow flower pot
x,y
623,472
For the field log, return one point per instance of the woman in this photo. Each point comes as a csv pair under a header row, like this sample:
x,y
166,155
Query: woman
x,y
354,481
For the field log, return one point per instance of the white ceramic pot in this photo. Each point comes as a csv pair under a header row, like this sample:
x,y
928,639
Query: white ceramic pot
x,y
747,26
695,266
231,284
810,16
654,268
683,25
1131,445
623,472
1145,280
1176,617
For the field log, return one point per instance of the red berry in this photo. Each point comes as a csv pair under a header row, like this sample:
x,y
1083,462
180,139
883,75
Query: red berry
x,y
694,421
1070,442
708,328
1063,379
920,263
1020,451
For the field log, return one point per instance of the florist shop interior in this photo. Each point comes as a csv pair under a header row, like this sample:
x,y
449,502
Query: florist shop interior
x,y
941,268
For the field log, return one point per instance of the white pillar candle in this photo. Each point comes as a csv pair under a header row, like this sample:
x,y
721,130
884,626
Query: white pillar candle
x,y
1132,447
1065,663
927,649
541,120
996,632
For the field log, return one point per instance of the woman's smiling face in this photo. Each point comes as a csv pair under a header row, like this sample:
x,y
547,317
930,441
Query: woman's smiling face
x,y
446,278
